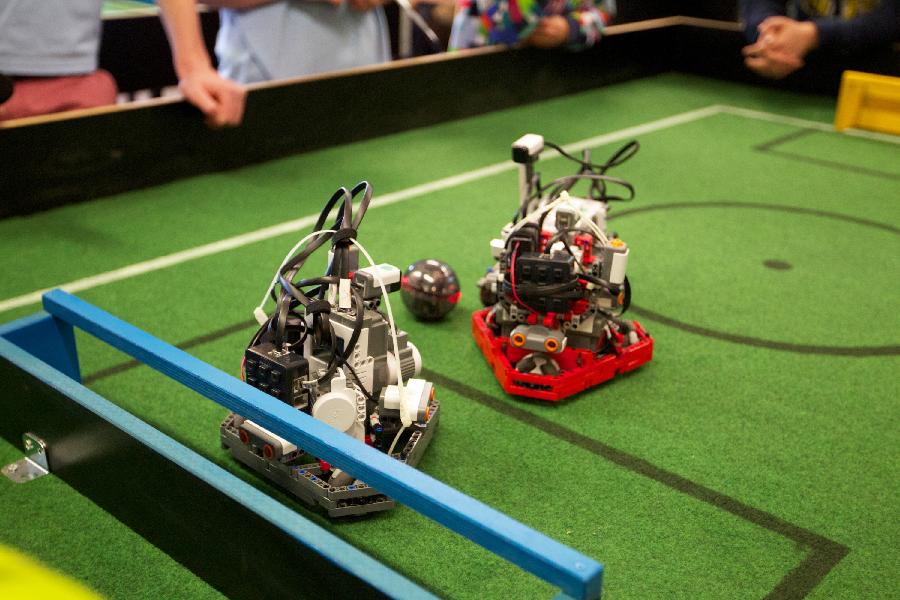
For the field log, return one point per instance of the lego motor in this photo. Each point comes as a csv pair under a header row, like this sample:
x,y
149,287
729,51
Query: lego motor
x,y
328,350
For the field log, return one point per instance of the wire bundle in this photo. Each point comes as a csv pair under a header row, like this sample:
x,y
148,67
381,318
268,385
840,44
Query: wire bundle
x,y
301,308
595,173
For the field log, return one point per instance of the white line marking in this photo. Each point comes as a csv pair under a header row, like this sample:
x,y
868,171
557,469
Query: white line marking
x,y
805,123
252,237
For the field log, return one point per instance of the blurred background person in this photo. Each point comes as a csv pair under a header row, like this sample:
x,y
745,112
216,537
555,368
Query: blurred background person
x,y
261,40
574,24
48,50
783,34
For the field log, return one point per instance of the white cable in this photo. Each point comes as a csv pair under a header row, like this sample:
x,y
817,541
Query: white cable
x,y
258,312
534,216
564,198
387,303
597,232
396,439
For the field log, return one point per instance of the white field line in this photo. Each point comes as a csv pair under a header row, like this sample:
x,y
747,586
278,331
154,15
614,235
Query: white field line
x,y
259,235
805,123
252,237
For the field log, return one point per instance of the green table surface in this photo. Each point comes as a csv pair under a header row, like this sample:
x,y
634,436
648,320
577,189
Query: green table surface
x,y
757,453
128,8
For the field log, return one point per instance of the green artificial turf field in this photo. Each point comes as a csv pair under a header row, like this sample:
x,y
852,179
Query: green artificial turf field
x,y
130,8
756,454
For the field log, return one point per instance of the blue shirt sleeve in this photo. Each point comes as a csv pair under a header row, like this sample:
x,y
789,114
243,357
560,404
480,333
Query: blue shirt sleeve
x,y
754,12
877,28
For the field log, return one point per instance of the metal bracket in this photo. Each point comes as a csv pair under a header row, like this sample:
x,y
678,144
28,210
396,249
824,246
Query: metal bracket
x,y
33,465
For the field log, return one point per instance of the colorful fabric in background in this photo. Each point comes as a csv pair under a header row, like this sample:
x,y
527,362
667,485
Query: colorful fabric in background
x,y
488,22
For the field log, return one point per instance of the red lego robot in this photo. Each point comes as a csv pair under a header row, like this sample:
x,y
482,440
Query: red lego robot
x,y
554,299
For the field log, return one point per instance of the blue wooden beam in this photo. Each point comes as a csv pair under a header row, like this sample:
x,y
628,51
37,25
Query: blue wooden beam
x,y
47,338
181,498
576,574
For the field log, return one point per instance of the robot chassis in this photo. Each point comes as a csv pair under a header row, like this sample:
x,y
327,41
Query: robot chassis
x,y
329,351
552,325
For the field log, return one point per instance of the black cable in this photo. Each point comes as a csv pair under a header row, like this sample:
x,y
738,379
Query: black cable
x,y
597,190
619,156
295,294
534,289
626,298
359,384
589,171
341,359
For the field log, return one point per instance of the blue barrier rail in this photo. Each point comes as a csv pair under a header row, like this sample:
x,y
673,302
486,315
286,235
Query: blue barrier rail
x,y
304,532
577,575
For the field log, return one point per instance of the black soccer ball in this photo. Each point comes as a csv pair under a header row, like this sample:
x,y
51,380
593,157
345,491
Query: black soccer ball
x,y
430,289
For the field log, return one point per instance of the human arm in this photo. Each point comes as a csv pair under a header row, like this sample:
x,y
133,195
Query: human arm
x,y
754,12
879,27
221,100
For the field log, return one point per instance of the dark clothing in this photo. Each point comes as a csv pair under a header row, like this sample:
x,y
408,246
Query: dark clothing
x,y
845,26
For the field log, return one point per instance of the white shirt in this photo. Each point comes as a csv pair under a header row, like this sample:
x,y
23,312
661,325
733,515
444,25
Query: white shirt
x,y
49,37
292,38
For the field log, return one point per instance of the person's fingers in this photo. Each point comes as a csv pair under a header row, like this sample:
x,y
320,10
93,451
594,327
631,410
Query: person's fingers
x,y
231,99
762,65
752,49
544,40
538,39
239,103
218,118
554,30
757,64
784,58
773,23
225,94
775,65
199,97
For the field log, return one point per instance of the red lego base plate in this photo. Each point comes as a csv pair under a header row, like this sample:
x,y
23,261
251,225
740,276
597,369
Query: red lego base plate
x,y
580,369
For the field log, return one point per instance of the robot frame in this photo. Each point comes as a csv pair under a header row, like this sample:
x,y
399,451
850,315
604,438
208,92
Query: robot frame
x,y
328,350
552,324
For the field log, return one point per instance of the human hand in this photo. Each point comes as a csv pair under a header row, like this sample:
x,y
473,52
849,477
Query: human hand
x,y
787,35
551,32
771,63
221,100
781,47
